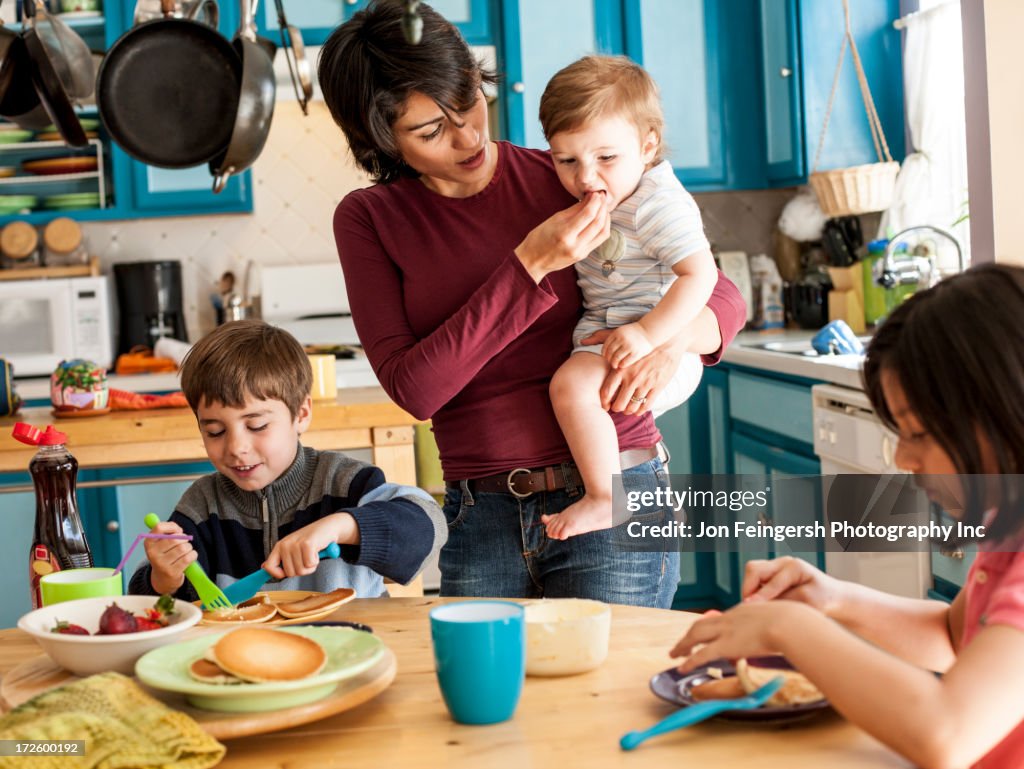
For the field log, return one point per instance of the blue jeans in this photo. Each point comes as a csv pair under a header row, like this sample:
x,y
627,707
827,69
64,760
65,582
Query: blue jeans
x,y
498,547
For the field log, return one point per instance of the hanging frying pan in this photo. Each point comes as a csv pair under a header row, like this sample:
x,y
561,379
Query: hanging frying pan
x,y
48,85
255,103
167,91
17,94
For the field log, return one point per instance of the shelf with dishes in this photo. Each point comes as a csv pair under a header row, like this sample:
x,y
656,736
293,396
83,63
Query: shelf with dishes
x,y
44,179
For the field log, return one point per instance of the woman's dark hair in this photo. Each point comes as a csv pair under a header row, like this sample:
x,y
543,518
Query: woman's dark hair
x,y
367,71
957,351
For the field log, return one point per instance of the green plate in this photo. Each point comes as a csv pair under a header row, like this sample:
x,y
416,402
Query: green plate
x,y
349,653
10,204
72,200
88,124
15,136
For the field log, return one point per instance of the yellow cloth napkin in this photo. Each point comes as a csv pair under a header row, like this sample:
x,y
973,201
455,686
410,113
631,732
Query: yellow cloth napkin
x,y
123,728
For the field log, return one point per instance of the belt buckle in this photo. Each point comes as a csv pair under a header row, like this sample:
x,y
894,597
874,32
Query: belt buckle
x,y
511,479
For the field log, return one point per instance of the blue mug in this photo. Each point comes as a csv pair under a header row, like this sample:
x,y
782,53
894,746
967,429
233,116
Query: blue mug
x,y
837,338
480,654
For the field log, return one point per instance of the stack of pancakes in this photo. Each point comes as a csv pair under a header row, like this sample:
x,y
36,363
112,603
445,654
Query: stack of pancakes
x,y
263,609
259,655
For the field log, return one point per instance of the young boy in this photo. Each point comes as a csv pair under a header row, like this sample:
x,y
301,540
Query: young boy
x,y
273,503
602,117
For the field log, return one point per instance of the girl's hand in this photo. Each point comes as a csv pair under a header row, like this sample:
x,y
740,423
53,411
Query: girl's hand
x,y
791,579
746,630
565,238
625,345
168,557
297,554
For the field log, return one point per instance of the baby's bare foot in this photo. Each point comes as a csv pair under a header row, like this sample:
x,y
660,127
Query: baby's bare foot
x,y
589,514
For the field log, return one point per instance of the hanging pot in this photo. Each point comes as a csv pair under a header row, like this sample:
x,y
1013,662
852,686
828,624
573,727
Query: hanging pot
x,y
48,85
168,90
255,103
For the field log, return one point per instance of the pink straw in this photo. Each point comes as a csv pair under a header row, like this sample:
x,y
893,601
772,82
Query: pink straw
x,y
147,535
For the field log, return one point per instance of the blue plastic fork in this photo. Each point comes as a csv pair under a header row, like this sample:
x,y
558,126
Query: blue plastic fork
x,y
211,595
700,712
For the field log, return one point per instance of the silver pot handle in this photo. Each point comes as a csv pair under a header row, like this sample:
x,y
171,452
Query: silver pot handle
x,y
209,9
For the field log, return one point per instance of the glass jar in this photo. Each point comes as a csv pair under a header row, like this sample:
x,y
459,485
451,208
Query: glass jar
x,y
63,244
19,246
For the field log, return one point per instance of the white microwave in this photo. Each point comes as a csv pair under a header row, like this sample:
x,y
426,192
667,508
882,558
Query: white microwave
x,y
43,322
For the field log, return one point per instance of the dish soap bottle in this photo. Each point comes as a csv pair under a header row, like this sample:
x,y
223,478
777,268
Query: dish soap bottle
x,y
59,539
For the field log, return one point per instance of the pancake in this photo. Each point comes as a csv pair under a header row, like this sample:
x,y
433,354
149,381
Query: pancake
x,y
254,610
210,673
264,654
796,689
315,604
719,689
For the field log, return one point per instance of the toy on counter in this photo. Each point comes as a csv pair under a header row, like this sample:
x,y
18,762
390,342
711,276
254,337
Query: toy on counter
x,y
79,388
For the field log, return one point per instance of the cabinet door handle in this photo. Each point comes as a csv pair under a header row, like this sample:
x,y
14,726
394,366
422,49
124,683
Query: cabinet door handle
x,y
518,87
785,72
113,526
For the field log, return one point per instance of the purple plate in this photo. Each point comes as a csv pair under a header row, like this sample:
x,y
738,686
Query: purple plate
x,y
675,687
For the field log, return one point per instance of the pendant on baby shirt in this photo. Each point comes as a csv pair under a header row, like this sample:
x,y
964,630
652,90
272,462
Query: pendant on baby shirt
x,y
610,252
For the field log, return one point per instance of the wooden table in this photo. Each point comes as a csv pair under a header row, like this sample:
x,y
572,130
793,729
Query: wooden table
x,y
560,722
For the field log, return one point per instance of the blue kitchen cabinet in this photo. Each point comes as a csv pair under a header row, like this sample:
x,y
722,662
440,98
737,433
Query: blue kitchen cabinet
x,y
317,18
688,430
799,43
125,495
538,39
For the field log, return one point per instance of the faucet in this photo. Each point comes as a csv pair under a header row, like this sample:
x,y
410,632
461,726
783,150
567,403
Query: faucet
x,y
891,272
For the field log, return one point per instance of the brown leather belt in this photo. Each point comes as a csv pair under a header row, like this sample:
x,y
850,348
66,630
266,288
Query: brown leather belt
x,y
522,482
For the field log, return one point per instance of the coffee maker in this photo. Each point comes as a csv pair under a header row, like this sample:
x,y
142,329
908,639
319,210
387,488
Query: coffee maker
x,y
149,298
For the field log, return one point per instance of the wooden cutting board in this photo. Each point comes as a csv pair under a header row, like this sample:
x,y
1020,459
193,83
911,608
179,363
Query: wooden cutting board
x,y
41,674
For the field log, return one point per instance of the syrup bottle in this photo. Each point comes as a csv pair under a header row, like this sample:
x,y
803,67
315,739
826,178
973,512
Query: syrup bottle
x,y
59,539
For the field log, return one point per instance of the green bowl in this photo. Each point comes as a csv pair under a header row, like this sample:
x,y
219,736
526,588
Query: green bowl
x,y
15,136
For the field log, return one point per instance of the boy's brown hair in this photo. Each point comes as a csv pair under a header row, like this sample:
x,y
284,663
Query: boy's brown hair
x,y
602,86
246,358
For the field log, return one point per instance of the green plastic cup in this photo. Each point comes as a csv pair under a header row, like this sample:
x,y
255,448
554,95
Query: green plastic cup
x,y
72,584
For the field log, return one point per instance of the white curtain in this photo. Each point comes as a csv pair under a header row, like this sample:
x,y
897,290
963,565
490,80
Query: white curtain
x,y
932,184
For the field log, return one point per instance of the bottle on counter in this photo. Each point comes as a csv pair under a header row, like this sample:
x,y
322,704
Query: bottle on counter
x,y
59,540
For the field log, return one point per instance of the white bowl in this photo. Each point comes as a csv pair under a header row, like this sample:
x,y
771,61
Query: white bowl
x,y
565,636
85,655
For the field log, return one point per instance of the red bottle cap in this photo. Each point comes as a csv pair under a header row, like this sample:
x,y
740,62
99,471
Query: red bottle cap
x,y
33,436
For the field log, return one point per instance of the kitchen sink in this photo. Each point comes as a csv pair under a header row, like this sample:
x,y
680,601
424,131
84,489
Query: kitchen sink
x,y
794,346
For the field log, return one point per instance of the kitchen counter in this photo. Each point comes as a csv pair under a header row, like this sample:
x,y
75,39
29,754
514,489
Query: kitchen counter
x,y
362,417
843,370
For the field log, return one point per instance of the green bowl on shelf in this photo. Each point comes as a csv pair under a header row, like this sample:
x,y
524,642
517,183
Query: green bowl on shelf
x,y
72,201
15,136
15,204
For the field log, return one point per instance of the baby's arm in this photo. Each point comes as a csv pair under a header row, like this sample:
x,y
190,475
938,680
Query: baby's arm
x,y
696,277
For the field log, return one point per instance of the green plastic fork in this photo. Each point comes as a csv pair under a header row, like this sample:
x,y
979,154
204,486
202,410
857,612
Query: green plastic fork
x,y
211,595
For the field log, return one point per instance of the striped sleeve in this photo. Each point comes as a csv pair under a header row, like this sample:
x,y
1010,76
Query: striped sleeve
x,y
669,225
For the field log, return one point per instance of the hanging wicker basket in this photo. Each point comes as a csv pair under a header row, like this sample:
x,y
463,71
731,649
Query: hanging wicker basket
x,y
857,189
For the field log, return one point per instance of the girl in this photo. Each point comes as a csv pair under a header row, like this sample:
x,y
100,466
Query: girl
x,y
946,372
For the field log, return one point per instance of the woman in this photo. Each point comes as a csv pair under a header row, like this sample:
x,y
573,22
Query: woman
x,y
465,307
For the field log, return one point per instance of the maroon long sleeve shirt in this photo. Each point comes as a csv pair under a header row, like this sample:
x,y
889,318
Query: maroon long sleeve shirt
x,y
455,328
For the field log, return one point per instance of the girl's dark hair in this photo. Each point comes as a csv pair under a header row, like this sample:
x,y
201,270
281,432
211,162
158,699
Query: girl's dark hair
x,y
367,71
957,351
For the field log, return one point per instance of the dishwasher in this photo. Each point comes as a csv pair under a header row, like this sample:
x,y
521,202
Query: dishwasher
x,y
850,439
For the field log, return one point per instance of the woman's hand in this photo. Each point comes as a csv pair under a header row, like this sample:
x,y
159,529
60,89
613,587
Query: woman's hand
x,y
633,389
791,579
625,345
746,630
565,238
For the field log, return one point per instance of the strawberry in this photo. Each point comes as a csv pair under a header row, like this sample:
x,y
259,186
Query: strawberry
x,y
142,623
66,628
116,620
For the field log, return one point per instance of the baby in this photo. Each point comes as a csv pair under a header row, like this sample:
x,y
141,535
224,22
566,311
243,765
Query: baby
x,y
602,117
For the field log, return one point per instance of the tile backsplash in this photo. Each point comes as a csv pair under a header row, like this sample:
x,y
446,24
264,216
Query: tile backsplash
x,y
304,170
